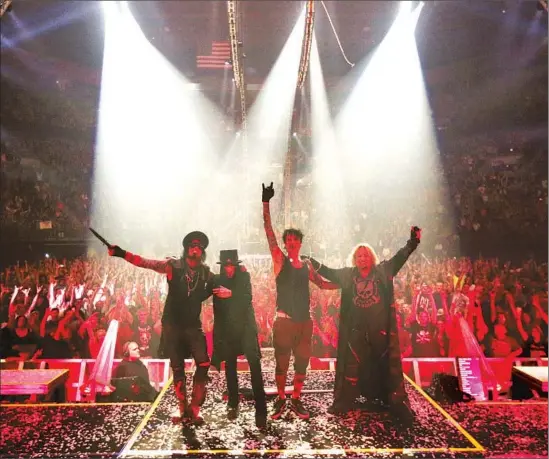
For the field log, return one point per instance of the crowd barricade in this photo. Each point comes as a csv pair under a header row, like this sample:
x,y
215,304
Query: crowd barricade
x,y
322,363
420,370
424,368
80,369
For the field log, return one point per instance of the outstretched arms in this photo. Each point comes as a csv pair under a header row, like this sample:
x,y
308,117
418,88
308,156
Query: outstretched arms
x,y
160,266
276,253
334,276
319,280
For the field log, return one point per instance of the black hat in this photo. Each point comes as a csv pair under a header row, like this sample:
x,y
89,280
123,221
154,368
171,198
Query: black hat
x,y
197,237
227,257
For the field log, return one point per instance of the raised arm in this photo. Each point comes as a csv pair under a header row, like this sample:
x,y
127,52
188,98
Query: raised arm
x,y
159,266
434,310
34,301
397,261
412,317
276,253
539,310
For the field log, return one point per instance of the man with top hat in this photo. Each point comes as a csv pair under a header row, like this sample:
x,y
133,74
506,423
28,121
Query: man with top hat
x,y
293,327
235,333
190,282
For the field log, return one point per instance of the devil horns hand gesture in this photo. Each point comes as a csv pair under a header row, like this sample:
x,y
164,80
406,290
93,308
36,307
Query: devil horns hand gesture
x,y
268,192
415,234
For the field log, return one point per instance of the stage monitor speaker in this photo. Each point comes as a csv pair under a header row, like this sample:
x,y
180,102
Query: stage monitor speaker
x,y
445,388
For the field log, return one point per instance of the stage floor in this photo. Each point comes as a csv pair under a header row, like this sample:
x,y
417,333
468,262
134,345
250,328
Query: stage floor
x,y
146,430
506,429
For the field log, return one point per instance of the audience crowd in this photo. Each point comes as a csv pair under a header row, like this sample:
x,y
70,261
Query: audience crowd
x,y
495,182
497,185
62,308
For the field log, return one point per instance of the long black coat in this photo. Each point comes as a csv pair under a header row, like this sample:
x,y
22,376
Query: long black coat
x,y
389,386
235,328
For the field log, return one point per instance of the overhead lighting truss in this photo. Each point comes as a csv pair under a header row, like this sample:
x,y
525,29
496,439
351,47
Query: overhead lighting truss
x,y
236,57
303,67
307,42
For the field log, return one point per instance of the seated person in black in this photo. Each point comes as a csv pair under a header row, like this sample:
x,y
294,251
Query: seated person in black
x,y
131,377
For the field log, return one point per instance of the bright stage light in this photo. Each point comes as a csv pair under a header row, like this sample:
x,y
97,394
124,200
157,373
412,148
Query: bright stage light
x,y
326,192
385,141
270,116
155,152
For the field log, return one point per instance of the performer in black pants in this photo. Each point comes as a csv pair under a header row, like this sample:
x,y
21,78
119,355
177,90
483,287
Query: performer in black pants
x,y
190,282
368,355
293,327
235,333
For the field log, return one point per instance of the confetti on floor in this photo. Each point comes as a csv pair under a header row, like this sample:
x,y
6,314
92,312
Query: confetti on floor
x,y
506,429
82,430
360,431
93,431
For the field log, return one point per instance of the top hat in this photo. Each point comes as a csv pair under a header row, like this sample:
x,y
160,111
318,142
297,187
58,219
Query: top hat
x,y
228,257
196,237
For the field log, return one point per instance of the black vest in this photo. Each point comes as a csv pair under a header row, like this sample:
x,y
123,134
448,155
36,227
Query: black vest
x,y
292,291
185,295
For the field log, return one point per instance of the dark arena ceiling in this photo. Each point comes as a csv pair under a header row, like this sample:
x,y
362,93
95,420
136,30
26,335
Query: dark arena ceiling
x,y
447,30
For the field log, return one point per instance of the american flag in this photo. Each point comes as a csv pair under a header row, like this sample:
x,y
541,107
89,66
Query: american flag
x,y
221,54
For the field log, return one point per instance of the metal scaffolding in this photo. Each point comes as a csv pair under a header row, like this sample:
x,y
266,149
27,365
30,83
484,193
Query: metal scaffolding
x,y
289,163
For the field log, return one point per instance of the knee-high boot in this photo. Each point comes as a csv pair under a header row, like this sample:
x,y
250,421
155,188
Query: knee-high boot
x,y
181,394
199,393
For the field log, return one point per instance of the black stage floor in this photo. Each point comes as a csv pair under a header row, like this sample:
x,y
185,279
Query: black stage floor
x,y
506,429
143,430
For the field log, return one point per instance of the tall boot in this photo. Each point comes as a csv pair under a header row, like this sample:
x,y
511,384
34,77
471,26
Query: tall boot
x,y
197,399
281,385
181,394
299,381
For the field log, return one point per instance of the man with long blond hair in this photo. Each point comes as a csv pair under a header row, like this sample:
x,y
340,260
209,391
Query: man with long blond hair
x,y
368,356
